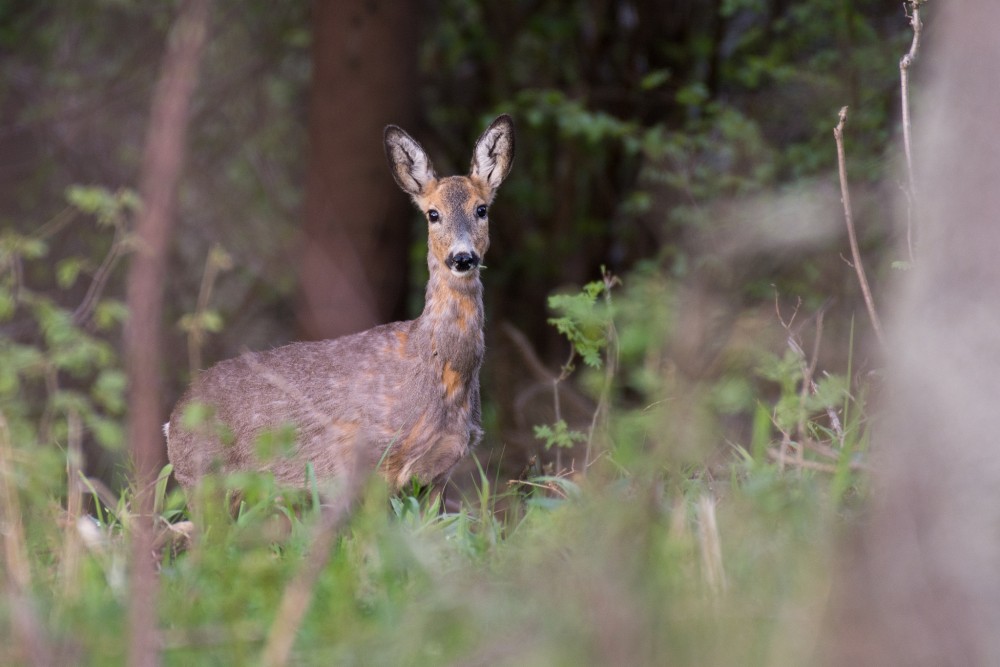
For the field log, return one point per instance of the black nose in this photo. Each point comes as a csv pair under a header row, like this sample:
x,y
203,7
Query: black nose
x,y
463,261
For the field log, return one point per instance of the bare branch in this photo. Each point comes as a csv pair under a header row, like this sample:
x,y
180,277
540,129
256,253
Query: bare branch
x,y
218,260
913,13
15,583
162,159
845,194
298,595
86,307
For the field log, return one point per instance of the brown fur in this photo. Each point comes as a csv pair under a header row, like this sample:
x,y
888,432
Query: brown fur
x,y
405,394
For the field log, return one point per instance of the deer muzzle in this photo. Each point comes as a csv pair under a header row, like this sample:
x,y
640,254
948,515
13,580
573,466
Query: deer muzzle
x,y
462,262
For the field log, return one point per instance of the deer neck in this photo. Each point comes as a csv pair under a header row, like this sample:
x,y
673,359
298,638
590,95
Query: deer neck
x,y
452,322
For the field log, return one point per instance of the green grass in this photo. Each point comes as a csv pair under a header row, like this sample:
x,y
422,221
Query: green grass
x,y
686,543
611,570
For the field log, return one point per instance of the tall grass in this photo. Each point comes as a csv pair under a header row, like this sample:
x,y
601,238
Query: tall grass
x,y
653,556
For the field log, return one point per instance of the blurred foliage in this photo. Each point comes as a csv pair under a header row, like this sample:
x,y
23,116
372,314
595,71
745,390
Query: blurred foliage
x,y
635,115
638,121
55,358
622,567
74,94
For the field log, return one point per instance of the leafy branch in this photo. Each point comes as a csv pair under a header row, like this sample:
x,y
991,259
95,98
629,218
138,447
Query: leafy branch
x,y
589,328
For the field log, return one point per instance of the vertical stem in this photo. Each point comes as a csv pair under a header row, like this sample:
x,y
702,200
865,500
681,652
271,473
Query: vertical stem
x,y
15,575
74,506
904,85
217,260
162,158
845,194
610,368
297,597
566,370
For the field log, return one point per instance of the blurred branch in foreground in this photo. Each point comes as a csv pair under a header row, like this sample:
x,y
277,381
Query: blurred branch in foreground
x,y
161,165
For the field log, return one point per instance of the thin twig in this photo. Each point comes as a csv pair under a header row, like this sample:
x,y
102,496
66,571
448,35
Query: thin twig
x,y
15,550
544,376
808,386
218,260
815,465
74,506
567,368
86,307
159,175
51,378
610,367
26,627
547,486
710,545
838,134
913,13
298,595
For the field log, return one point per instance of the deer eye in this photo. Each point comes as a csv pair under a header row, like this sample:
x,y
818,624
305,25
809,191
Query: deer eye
x,y
481,210
433,215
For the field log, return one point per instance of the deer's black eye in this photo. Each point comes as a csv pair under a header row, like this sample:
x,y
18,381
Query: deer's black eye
x,y
433,215
481,210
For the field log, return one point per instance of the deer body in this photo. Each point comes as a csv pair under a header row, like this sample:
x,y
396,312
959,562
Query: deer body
x,y
402,397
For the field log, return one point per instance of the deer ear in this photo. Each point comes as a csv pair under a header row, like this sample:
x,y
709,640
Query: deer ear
x,y
408,162
494,153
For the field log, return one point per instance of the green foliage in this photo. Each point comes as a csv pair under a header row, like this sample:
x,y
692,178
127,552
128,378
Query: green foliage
x,y
634,127
405,583
276,441
200,417
58,359
582,323
559,434
409,585
108,208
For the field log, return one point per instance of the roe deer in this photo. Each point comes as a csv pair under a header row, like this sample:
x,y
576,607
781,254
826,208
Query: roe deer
x,y
402,397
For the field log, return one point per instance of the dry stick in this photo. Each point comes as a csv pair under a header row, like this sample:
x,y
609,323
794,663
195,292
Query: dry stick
x,y
845,196
26,629
808,372
162,159
800,451
298,595
710,545
904,85
216,262
816,465
74,506
89,303
538,369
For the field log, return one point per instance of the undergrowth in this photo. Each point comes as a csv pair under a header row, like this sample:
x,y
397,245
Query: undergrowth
x,y
643,555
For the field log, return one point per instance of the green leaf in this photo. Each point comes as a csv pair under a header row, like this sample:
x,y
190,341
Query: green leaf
x,y
109,313
695,94
276,441
67,271
211,321
654,79
109,390
583,323
8,306
9,381
558,434
196,414
108,432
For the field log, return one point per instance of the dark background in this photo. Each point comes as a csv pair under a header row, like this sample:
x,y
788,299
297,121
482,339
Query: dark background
x,y
687,140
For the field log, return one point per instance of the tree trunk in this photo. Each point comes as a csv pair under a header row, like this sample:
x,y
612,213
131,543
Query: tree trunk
x,y
922,585
161,165
356,230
